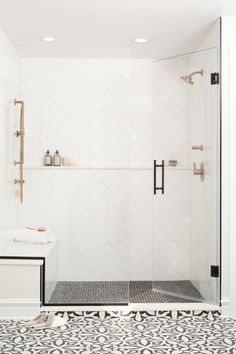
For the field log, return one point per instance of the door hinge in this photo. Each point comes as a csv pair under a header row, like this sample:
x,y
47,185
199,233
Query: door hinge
x,y
215,78
215,271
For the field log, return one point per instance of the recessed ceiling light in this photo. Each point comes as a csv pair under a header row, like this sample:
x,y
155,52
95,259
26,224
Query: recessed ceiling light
x,y
141,40
49,39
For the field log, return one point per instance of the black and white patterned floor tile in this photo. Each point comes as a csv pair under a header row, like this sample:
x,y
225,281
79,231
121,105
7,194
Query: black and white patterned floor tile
x,y
120,333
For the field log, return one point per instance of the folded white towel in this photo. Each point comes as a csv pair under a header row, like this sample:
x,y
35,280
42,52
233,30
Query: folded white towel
x,y
33,236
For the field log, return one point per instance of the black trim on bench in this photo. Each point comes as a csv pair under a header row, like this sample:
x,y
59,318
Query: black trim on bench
x,y
42,286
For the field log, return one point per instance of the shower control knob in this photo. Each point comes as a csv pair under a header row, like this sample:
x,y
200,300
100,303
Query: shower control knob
x,y
197,147
20,181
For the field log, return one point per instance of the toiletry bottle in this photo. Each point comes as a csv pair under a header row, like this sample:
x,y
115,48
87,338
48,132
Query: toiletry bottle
x,y
48,159
56,159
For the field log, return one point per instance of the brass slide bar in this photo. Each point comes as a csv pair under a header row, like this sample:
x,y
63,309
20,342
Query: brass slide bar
x,y
21,134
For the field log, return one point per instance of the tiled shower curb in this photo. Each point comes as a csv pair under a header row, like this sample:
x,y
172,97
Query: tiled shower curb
x,y
139,315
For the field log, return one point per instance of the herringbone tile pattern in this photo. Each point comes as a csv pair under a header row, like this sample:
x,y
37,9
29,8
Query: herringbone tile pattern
x,y
89,215
115,113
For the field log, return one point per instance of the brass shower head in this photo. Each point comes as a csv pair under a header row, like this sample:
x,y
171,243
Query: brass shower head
x,y
189,78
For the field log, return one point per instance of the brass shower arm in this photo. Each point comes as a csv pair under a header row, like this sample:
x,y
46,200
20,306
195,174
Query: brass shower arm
x,y
197,72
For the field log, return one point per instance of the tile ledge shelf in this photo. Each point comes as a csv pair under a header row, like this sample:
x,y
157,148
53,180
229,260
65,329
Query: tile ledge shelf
x,y
100,167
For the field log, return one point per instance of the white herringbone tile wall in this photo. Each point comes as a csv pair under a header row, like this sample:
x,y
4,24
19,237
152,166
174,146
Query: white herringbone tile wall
x,y
113,113
89,213
80,107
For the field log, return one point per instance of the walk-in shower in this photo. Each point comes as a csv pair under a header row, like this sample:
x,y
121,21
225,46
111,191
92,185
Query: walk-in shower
x,y
137,213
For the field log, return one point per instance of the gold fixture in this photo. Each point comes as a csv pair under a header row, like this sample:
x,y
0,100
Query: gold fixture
x,y
39,228
172,163
197,147
20,134
199,171
189,78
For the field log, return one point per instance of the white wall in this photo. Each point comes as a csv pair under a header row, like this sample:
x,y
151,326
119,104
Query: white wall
x,y
9,89
93,111
118,115
104,113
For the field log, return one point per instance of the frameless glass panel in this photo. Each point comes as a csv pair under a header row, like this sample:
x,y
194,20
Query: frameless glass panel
x,y
50,271
186,217
94,269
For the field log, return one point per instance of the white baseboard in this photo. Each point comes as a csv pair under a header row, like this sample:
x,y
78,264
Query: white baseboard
x,y
19,312
225,307
18,308
19,303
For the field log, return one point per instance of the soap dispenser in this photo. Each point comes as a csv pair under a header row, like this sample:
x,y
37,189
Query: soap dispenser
x,y
56,159
48,159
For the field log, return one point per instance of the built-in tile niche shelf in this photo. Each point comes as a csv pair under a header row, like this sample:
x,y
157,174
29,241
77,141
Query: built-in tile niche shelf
x,y
87,167
98,167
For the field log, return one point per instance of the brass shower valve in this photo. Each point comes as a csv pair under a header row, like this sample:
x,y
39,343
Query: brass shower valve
x,y
199,171
20,181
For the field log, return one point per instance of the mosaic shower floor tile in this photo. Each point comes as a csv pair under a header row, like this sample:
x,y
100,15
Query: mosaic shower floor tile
x,y
115,292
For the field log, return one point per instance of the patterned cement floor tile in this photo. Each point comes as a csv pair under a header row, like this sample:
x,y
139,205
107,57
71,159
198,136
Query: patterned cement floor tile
x,y
131,333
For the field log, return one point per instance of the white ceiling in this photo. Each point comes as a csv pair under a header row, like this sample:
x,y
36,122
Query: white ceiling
x,y
105,28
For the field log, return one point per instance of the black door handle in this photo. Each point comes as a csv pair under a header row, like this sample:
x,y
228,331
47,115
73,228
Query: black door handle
x,y
162,188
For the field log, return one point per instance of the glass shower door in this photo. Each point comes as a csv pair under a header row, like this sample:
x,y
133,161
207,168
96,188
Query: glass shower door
x,y
171,238
186,178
